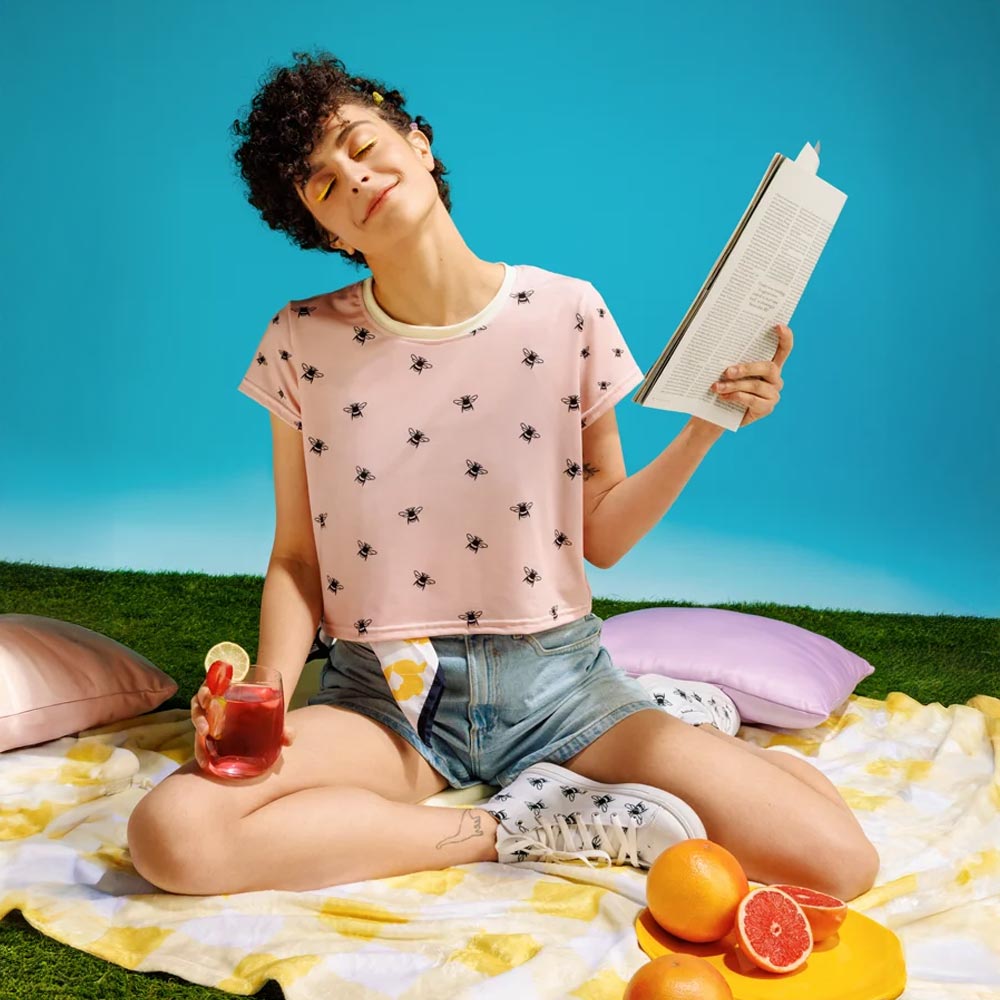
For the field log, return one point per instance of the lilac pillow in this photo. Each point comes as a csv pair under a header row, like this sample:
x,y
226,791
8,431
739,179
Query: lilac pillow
x,y
57,678
777,674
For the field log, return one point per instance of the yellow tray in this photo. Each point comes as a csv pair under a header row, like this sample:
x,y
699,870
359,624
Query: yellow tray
x,y
862,961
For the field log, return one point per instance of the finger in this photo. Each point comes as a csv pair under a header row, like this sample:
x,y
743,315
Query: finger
x,y
201,725
204,696
785,341
289,737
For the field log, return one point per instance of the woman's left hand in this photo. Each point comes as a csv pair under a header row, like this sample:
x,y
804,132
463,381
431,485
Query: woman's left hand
x,y
757,385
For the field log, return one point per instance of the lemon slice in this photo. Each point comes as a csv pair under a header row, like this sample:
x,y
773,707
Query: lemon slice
x,y
232,653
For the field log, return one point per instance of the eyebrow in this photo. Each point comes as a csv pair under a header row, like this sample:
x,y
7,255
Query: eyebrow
x,y
338,142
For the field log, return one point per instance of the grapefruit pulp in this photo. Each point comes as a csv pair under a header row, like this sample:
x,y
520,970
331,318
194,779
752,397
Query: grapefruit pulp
x,y
772,930
825,913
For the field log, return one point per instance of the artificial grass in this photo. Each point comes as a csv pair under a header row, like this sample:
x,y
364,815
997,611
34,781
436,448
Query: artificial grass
x,y
173,618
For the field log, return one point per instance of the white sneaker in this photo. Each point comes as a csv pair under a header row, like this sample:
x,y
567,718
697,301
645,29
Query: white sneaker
x,y
538,821
694,702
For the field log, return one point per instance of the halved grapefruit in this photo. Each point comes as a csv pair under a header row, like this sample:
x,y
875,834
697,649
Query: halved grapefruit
x,y
825,913
772,930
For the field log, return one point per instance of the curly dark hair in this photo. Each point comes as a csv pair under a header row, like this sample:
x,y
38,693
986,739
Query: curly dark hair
x,y
283,127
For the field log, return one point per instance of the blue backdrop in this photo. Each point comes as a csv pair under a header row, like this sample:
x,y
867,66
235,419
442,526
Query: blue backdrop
x,y
138,281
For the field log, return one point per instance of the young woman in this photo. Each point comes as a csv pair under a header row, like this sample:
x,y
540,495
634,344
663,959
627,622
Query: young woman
x,y
445,457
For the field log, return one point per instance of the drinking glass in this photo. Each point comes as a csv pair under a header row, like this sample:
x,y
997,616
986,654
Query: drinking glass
x,y
252,726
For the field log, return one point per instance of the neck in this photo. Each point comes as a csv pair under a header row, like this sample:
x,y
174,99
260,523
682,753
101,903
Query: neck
x,y
433,279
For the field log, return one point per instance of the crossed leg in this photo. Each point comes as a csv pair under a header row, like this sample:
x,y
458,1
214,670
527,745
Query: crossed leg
x,y
780,826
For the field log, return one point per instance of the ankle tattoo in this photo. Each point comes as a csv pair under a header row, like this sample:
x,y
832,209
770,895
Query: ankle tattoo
x,y
470,827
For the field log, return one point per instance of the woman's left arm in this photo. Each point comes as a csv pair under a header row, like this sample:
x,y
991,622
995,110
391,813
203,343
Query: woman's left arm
x,y
619,509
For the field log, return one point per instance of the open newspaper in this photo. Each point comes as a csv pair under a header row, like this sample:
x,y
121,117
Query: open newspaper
x,y
754,286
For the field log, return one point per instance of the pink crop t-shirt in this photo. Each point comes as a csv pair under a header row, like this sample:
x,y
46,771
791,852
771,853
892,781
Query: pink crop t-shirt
x,y
445,464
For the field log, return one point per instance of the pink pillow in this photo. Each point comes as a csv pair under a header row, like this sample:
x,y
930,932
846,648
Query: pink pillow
x,y
57,678
777,674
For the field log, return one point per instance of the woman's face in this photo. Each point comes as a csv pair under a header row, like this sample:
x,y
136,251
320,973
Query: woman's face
x,y
359,156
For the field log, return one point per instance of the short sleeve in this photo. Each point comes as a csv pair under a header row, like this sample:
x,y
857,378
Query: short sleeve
x,y
607,369
270,379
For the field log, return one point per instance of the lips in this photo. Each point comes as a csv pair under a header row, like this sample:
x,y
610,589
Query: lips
x,y
377,199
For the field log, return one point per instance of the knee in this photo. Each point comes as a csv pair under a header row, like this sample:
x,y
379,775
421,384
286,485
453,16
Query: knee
x,y
852,871
165,845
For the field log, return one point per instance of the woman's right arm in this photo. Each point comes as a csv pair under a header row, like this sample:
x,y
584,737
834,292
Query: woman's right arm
x,y
292,602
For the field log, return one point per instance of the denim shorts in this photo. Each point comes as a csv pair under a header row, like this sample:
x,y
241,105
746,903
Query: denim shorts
x,y
509,700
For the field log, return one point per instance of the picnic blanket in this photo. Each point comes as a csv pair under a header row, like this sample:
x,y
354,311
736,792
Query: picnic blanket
x,y
922,779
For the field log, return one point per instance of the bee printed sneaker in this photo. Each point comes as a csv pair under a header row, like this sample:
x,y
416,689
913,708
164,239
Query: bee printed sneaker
x,y
549,813
693,702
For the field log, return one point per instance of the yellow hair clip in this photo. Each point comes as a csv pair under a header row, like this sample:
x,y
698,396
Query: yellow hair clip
x,y
377,97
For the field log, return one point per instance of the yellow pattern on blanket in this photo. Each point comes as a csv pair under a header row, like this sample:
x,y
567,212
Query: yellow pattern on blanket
x,y
923,780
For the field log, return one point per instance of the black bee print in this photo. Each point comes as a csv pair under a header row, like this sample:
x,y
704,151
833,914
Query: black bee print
x,y
531,358
363,475
585,353
411,514
475,469
419,364
365,550
522,297
572,469
318,445
277,317
466,401
304,310
616,351
422,579
362,625
588,471
333,584
637,810
538,784
354,409
478,329
602,801
298,424
361,335
475,542
522,508
502,797
417,437
579,321
285,355
528,432
554,611
261,360
532,576
471,617
310,372
583,422
602,385
572,402
320,519
560,540
281,394
600,312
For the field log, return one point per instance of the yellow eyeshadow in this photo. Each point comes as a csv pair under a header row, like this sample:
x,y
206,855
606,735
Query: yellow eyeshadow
x,y
326,190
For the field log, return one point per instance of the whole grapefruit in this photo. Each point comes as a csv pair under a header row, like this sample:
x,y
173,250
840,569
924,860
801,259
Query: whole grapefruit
x,y
677,977
693,890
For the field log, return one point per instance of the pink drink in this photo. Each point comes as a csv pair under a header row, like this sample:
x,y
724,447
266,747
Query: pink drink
x,y
251,731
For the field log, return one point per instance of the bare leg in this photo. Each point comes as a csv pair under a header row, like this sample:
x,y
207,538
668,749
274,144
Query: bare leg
x,y
326,836
795,766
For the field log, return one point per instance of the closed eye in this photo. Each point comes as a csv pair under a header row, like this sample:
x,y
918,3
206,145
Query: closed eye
x,y
329,187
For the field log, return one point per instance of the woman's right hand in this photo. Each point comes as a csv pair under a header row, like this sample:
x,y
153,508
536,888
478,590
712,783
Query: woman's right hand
x,y
206,713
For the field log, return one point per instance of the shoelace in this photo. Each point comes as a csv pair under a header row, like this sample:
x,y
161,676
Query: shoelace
x,y
553,840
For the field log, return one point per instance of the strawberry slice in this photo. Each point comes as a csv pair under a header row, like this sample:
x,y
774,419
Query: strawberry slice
x,y
219,677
